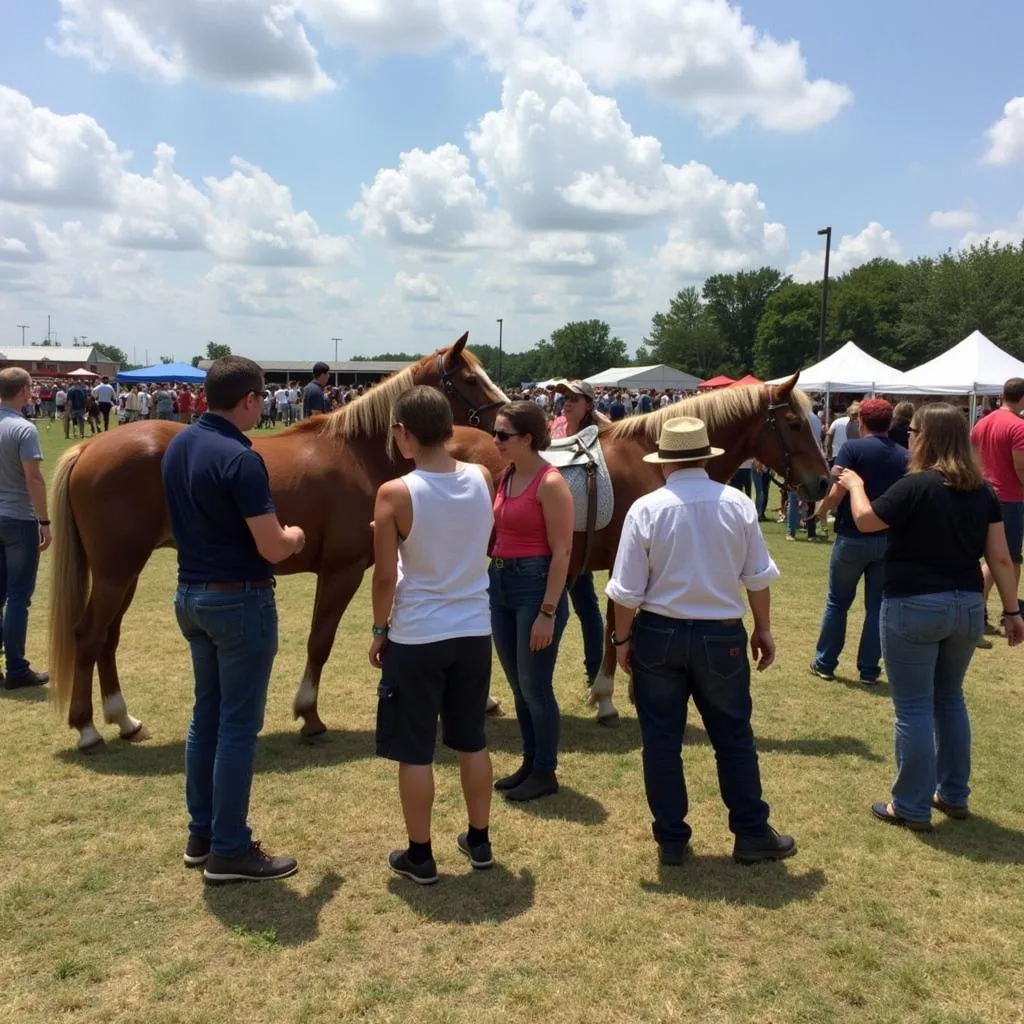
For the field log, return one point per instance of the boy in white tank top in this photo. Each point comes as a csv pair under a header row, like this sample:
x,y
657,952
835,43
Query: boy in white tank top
x,y
432,627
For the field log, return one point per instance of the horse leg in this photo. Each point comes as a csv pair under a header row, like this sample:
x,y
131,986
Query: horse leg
x,y
115,711
334,591
603,687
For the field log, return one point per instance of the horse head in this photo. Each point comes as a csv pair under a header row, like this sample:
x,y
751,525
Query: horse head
x,y
787,444
475,398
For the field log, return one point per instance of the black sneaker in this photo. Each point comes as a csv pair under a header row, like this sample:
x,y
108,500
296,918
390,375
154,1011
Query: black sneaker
x,y
421,874
769,846
255,865
518,776
197,851
537,784
27,678
479,856
673,854
822,673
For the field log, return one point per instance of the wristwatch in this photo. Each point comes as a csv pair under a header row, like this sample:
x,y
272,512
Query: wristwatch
x,y
380,630
616,642
548,609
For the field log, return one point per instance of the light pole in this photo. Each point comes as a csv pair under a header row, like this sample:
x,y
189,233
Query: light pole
x,y
23,328
335,340
827,232
500,326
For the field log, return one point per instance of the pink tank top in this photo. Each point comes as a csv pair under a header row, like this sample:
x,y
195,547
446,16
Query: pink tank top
x,y
519,529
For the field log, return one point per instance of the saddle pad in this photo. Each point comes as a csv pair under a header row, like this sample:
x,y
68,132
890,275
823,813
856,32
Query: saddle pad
x,y
570,456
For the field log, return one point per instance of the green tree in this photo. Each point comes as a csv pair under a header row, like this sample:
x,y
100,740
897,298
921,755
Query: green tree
x,y
865,307
216,351
112,352
787,335
388,357
687,338
735,304
580,349
166,359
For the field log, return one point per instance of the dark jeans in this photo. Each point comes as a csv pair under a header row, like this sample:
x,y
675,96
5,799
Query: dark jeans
x,y
741,480
233,636
586,607
852,558
672,660
105,414
517,588
762,485
19,559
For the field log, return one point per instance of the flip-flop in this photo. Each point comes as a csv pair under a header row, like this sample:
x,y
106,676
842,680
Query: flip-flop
x,y
882,813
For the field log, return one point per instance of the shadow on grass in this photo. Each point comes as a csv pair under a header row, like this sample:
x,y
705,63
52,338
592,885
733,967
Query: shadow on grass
x,y
275,752
879,689
579,735
272,914
719,880
978,839
808,746
26,695
476,897
566,805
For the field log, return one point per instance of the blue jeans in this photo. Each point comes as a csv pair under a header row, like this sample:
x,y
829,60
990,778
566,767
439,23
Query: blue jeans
x,y
19,559
672,660
586,607
852,558
516,589
928,641
793,517
762,484
233,636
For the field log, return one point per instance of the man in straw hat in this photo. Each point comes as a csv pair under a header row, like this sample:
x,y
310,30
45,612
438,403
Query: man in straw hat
x,y
686,549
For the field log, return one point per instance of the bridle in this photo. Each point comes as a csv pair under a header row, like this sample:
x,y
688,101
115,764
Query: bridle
x,y
776,426
449,387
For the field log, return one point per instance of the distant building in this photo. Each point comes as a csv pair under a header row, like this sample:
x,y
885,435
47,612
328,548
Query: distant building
x,y
57,361
279,371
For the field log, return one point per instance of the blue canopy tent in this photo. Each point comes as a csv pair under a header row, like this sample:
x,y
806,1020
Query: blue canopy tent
x,y
183,373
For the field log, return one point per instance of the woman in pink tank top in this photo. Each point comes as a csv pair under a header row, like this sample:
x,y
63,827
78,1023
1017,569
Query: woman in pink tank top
x,y
533,520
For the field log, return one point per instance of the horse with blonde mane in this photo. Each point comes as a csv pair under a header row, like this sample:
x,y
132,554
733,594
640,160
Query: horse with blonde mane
x,y
109,515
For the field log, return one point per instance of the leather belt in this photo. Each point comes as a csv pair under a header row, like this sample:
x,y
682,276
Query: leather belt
x,y
240,585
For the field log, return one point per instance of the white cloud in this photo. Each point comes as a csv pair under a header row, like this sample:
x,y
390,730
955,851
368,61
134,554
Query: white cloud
x,y
1009,234
279,293
1006,136
874,242
952,220
255,46
420,287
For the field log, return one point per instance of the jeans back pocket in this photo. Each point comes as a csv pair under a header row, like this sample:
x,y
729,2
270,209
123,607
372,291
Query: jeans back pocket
x,y
726,656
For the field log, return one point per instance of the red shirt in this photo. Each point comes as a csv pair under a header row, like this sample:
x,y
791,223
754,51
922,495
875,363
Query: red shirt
x,y
184,401
519,527
996,437
201,402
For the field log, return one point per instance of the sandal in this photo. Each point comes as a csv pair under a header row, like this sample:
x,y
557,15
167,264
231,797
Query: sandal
x,y
957,811
884,812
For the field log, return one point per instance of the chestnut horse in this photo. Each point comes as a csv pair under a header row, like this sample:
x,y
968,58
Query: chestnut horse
x,y
765,422
109,515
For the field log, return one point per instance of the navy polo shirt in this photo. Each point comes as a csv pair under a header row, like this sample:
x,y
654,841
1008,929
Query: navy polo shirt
x,y
313,399
879,462
214,481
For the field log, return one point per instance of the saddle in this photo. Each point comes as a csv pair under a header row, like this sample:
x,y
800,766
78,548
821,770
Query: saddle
x,y
581,462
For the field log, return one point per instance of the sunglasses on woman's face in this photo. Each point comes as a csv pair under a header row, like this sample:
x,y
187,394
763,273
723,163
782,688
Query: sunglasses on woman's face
x,y
503,435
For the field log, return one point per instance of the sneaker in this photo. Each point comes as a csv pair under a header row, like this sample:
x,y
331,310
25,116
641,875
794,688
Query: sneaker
x,y
197,851
520,775
864,681
769,846
537,784
822,673
984,644
673,854
27,678
421,874
479,856
255,865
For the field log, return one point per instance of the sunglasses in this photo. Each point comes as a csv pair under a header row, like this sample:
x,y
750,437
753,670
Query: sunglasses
x,y
503,435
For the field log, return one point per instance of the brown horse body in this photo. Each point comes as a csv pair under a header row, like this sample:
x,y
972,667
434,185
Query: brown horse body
x,y
763,422
110,515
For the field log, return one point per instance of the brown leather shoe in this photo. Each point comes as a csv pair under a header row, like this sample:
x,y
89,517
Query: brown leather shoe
x,y
957,811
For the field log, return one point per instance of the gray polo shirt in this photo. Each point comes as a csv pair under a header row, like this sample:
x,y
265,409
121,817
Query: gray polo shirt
x,y
19,442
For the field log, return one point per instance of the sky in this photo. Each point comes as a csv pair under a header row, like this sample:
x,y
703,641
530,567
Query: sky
x,y
276,174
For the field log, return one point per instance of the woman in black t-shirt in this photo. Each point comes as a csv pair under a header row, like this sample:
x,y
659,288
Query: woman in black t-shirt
x,y
942,518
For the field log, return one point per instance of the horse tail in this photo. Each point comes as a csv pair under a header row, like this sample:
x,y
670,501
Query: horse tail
x,y
69,581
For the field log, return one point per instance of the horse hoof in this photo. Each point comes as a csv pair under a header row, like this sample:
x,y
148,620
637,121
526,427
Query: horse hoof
x,y
312,730
96,747
137,735
609,721
495,711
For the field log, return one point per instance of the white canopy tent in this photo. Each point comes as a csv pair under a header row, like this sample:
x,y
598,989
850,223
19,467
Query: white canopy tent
x,y
849,368
975,366
659,377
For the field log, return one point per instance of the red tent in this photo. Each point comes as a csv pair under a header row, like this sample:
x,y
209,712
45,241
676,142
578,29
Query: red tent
x,y
721,381
745,381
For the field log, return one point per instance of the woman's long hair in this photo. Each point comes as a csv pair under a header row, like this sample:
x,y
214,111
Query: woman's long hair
x,y
942,441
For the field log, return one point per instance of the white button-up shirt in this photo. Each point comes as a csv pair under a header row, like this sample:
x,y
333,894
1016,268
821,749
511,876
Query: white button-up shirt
x,y
687,548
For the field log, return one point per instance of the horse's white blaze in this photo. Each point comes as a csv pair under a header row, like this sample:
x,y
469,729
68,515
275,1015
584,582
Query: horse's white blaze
x,y
482,374
89,736
305,696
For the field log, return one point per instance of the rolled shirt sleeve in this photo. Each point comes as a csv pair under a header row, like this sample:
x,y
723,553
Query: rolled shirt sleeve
x,y
627,584
759,568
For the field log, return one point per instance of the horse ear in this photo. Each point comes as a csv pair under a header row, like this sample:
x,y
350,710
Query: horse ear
x,y
456,350
785,389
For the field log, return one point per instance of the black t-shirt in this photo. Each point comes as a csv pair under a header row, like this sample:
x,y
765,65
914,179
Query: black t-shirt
x,y
214,481
900,432
936,535
879,462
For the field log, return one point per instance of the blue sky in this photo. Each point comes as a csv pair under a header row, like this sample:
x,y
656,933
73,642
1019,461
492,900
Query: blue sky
x,y
538,193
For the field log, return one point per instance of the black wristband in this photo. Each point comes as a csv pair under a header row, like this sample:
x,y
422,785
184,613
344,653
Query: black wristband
x,y
1017,612
616,642
44,522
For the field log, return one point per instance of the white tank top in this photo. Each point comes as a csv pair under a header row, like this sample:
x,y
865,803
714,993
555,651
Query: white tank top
x,y
442,564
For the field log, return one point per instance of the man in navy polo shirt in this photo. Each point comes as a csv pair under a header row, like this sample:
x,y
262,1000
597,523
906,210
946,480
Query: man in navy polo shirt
x,y
313,398
228,536
880,462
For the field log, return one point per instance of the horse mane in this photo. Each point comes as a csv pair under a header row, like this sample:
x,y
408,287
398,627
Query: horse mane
x,y
716,408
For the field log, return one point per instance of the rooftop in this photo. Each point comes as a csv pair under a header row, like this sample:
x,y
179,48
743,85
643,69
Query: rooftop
x,y
304,367
51,354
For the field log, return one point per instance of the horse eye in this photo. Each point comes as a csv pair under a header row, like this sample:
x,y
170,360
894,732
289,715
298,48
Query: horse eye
x,y
472,379
794,426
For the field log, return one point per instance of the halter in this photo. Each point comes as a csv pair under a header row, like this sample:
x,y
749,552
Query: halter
x,y
787,452
450,389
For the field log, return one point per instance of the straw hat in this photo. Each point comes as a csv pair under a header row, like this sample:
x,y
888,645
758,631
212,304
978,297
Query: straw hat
x,y
684,439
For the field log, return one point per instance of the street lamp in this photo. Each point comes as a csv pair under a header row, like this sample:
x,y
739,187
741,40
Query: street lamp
x,y
335,340
23,328
500,324
827,232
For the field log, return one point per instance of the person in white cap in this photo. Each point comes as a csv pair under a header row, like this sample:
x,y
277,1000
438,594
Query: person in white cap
x,y
686,550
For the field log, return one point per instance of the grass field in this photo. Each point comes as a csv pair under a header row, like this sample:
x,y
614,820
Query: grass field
x,y
100,922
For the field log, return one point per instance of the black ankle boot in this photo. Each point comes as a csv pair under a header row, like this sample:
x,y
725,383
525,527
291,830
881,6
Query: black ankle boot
x,y
518,776
537,784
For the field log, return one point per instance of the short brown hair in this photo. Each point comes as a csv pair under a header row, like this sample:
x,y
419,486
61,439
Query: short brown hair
x,y
904,411
528,418
944,444
1013,390
12,380
229,380
426,414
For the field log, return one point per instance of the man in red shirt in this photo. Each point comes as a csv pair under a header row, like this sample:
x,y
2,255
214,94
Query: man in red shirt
x,y
185,404
999,441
